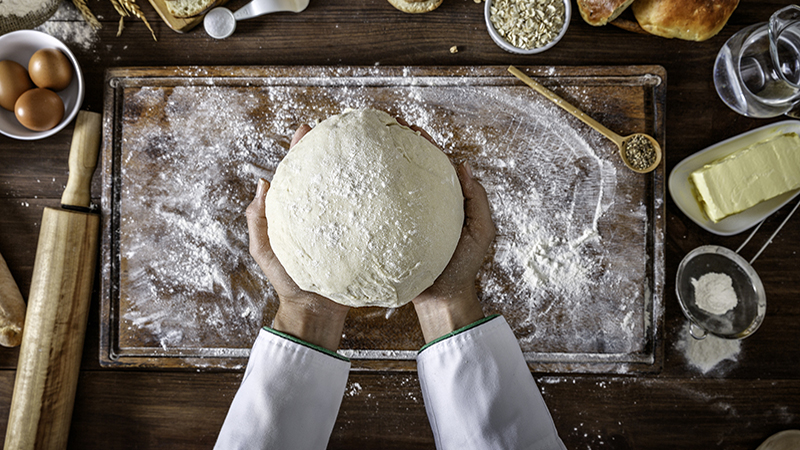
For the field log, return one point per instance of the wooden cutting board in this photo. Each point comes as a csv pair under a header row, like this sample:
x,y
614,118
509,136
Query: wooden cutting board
x,y
577,268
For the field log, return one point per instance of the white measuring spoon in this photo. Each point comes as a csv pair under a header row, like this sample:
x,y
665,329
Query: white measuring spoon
x,y
221,22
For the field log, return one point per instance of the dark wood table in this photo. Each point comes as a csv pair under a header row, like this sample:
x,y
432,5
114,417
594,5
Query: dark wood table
x,y
735,406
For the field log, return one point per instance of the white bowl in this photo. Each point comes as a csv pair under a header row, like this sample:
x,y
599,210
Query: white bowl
x,y
681,190
19,46
505,45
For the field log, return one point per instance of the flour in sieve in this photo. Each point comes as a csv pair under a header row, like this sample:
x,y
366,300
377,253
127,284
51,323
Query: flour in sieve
x,y
714,293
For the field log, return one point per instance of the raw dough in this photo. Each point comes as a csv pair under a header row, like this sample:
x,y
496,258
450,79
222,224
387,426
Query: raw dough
x,y
364,211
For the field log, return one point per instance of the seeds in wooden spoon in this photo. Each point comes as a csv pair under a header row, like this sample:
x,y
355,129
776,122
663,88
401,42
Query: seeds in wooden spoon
x,y
640,152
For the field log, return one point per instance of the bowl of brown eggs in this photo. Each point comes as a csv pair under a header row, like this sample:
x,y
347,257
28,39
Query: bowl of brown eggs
x,y
41,85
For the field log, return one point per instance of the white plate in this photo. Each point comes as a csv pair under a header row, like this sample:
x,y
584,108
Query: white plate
x,y
681,190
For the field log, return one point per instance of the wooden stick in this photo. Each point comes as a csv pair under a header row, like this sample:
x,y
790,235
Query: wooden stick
x,y
566,106
55,326
82,159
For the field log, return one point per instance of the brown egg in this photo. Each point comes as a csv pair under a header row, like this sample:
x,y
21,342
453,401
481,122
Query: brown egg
x,y
50,69
39,109
14,81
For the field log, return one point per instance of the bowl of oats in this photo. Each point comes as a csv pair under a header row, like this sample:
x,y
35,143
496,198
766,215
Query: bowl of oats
x,y
527,27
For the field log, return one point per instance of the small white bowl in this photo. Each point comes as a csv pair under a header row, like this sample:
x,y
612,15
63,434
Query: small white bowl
x,y
19,46
505,45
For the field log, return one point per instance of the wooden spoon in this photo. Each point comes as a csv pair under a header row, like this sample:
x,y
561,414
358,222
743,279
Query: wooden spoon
x,y
621,141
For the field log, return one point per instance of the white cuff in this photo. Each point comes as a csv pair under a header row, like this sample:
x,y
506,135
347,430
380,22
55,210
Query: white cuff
x,y
289,397
479,393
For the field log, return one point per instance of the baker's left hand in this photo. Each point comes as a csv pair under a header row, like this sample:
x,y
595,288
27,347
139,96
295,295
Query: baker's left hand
x,y
303,314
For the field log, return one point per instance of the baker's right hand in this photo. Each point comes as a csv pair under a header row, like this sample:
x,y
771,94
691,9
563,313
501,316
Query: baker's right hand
x,y
302,314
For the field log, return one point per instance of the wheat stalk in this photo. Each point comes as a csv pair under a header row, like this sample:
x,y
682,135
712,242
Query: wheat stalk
x,y
134,10
125,8
87,13
122,14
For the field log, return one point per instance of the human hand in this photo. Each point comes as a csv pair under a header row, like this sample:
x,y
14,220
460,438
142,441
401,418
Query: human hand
x,y
452,301
305,315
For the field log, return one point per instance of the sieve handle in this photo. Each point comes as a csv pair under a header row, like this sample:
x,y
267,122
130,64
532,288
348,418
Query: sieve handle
x,y
702,333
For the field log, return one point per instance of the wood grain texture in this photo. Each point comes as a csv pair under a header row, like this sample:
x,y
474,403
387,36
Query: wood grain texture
x,y
55,325
736,406
83,159
386,411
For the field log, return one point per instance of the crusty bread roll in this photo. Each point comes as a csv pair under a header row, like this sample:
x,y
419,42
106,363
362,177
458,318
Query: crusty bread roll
x,y
416,6
600,12
188,8
12,308
691,20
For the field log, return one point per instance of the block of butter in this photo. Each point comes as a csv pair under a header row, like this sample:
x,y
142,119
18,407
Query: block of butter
x,y
749,176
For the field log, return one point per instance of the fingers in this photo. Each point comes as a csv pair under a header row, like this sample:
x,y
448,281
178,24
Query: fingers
x,y
257,223
476,206
260,248
302,131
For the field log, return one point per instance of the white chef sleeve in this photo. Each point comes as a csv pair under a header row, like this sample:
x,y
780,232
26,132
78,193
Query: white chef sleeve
x,y
289,397
479,393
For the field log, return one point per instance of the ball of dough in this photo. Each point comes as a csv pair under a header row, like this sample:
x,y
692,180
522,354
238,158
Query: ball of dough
x,y
364,211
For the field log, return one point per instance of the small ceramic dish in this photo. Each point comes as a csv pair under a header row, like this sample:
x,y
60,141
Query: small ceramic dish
x,y
737,323
681,190
19,46
505,45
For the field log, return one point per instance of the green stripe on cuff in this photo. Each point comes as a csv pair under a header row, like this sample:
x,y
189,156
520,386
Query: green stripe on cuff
x,y
460,330
306,344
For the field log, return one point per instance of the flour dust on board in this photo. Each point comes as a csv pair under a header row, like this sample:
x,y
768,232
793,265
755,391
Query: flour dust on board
x,y
568,268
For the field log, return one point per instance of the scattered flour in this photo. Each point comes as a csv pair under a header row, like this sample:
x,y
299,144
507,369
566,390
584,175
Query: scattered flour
x,y
353,389
705,354
714,293
184,244
68,26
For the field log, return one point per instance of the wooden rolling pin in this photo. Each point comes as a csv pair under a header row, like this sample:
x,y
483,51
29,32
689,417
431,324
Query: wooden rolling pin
x,y
12,308
58,306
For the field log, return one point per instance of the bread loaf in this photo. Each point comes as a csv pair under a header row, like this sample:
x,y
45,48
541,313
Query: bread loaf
x,y
691,20
188,8
600,12
416,6
12,308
